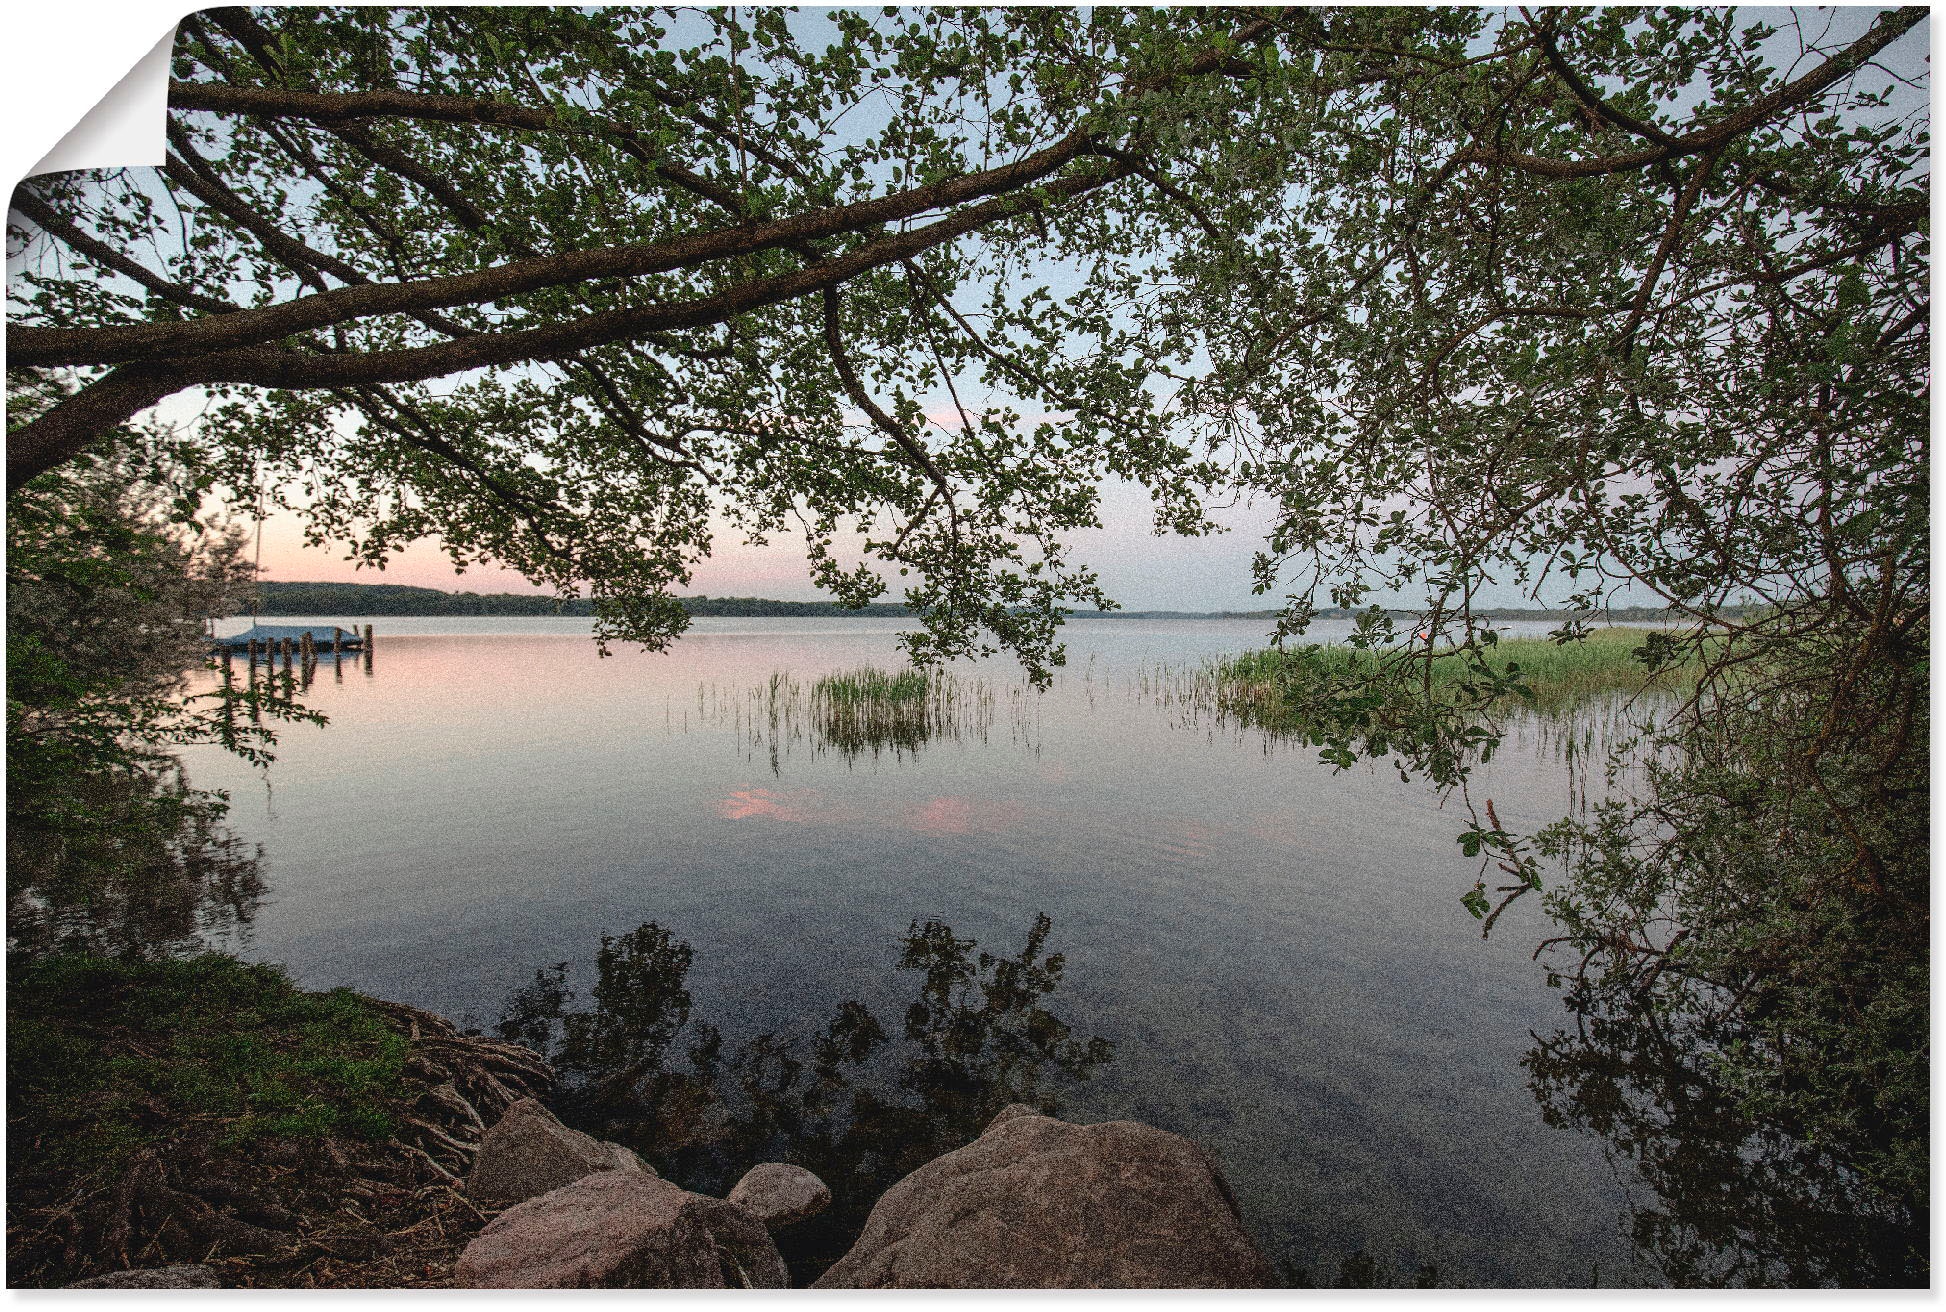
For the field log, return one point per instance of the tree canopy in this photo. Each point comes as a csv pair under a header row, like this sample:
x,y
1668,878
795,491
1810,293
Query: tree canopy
x,y
556,284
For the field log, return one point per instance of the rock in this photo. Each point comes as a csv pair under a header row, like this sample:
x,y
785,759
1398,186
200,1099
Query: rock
x,y
1037,1203
625,1158
155,1277
1008,1112
779,1194
622,1230
528,1152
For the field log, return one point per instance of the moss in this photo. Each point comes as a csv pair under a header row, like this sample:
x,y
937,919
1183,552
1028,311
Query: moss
x,y
105,1058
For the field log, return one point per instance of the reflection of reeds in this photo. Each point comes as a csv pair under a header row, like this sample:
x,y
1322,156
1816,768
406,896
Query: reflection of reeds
x,y
862,711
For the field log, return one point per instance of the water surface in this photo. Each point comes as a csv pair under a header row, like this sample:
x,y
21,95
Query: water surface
x,y
1276,950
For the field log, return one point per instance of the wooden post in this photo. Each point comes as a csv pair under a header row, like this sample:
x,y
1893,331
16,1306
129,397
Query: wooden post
x,y
253,657
337,641
368,651
229,693
368,637
306,648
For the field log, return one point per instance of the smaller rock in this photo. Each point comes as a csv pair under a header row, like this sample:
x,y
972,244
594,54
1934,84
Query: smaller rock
x,y
1010,1111
780,1194
155,1277
528,1153
622,1230
625,1158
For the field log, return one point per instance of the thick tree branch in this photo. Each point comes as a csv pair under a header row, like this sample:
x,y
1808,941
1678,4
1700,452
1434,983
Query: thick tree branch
x,y
70,427
64,432
1584,93
59,346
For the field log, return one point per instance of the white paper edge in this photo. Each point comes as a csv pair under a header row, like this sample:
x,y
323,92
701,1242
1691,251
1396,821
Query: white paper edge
x,y
125,128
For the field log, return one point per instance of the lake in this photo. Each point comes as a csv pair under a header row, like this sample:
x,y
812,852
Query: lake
x,y
1275,950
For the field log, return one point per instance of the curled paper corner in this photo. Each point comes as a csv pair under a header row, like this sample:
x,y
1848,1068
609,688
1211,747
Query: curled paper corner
x,y
125,128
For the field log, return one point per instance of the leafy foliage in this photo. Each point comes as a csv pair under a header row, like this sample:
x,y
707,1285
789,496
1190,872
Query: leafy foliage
x,y
109,580
556,285
1748,959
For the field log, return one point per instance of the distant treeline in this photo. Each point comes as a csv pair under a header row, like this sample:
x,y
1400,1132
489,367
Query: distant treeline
x,y
398,599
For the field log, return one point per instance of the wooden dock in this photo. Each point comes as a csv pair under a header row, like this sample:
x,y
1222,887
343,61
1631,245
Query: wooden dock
x,y
317,638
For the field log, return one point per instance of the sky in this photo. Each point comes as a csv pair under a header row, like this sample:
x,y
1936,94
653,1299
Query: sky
x,y
1139,569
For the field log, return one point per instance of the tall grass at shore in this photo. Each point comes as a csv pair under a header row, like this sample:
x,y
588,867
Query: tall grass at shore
x,y
1587,697
1558,674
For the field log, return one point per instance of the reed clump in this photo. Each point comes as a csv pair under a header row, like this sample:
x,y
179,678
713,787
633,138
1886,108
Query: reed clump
x,y
872,710
870,686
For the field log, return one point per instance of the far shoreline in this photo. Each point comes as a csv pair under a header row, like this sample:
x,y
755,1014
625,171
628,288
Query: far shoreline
x,y
377,601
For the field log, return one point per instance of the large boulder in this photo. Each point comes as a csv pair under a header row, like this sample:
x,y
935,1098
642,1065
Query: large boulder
x,y
622,1230
1037,1203
780,1194
528,1153
154,1277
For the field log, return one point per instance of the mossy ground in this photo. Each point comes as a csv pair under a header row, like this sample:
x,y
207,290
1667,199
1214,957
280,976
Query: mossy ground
x,y
206,1109
105,1058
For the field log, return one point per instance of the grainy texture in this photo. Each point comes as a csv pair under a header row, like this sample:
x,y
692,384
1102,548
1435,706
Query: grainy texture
x,y
1037,1203
622,1230
778,1194
528,1153
155,1277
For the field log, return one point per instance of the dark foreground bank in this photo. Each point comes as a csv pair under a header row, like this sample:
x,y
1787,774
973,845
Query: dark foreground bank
x,y
202,1123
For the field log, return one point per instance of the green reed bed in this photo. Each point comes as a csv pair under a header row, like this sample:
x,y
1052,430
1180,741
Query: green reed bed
x,y
1583,697
869,686
859,711
870,709
1605,662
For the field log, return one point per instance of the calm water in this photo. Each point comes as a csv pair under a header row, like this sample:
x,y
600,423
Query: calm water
x,y
1276,951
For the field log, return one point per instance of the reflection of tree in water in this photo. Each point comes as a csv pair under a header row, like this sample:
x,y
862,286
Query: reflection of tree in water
x,y
135,864
1739,1202
856,1104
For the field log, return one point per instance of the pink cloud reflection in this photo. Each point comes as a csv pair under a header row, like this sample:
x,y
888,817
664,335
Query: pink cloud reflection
x,y
760,804
964,815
